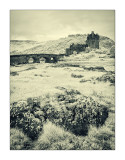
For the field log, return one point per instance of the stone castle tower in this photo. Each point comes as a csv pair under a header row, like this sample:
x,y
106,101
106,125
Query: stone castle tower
x,y
93,40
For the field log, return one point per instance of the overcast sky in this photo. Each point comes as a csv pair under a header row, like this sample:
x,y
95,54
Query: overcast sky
x,y
45,25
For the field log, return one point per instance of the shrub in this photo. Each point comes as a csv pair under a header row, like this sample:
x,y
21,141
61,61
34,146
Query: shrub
x,y
84,80
18,140
31,126
72,92
76,76
30,68
14,73
27,116
107,77
97,68
72,111
76,114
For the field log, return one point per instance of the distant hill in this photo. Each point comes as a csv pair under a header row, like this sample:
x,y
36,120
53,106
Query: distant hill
x,y
53,46
17,46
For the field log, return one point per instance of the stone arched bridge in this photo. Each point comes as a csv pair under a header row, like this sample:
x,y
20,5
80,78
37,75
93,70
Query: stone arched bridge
x,y
36,58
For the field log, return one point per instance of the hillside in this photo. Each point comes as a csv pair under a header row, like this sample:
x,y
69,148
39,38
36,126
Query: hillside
x,y
54,46
17,46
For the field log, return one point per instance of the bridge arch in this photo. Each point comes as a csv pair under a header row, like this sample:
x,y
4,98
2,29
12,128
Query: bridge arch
x,y
42,59
31,60
47,59
55,59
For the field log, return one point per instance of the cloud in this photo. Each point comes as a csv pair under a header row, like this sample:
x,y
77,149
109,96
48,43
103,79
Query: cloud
x,y
53,24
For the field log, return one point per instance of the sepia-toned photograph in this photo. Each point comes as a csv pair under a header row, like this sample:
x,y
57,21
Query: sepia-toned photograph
x,y
62,79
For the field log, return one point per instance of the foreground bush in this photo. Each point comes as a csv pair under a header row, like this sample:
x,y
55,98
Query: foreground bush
x,y
77,114
18,140
28,117
72,111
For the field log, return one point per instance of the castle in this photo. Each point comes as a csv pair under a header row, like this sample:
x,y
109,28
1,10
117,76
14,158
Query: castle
x,y
93,40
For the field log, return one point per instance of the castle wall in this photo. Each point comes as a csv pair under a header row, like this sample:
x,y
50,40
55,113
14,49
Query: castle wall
x,y
75,47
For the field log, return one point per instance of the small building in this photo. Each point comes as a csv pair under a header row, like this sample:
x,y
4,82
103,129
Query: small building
x,y
93,40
